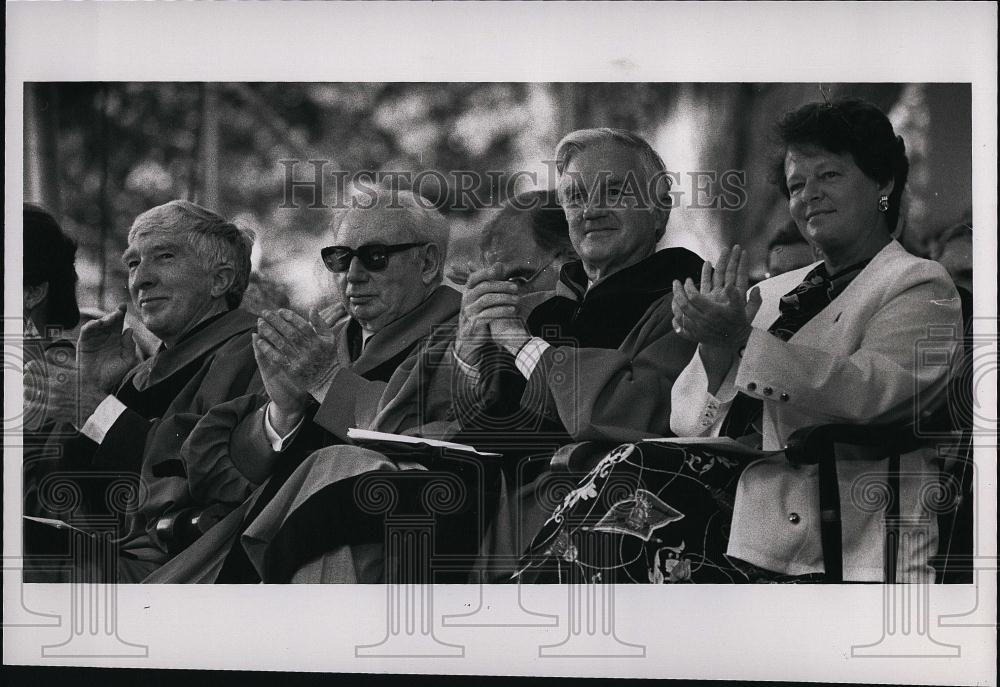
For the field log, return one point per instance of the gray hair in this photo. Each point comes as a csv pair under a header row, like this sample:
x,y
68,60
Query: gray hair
x,y
651,162
215,239
418,217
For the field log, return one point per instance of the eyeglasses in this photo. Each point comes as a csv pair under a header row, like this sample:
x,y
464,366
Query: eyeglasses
x,y
374,256
523,281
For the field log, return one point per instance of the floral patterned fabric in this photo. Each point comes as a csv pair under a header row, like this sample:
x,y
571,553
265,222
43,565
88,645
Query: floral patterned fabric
x,y
661,513
647,513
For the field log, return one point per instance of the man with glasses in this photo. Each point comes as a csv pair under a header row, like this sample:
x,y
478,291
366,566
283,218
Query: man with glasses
x,y
386,262
374,366
530,237
596,361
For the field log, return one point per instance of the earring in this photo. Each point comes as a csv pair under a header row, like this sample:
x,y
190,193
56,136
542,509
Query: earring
x,y
883,203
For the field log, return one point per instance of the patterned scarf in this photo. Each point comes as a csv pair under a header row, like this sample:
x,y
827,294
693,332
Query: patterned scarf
x,y
808,299
797,307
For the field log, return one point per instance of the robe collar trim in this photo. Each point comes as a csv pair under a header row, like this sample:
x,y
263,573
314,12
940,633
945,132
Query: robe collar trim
x,y
207,338
442,305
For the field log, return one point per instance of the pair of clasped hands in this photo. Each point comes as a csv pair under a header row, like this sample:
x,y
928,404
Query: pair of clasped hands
x,y
491,312
717,314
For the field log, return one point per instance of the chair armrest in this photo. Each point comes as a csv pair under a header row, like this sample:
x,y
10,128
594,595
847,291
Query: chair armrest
x,y
179,530
581,456
811,445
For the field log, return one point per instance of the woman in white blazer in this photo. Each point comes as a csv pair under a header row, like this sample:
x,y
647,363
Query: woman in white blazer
x,y
837,341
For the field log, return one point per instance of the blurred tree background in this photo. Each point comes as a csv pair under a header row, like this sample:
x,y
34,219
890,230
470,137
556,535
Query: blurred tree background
x,y
99,154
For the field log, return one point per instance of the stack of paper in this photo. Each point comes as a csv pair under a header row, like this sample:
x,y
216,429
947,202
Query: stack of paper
x,y
364,435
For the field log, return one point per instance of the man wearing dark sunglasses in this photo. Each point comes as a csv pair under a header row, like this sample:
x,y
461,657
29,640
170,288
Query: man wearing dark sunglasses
x,y
374,366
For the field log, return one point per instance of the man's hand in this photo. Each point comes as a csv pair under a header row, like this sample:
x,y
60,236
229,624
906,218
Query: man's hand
x,y
104,355
458,274
306,351
510,333
488,299
288,402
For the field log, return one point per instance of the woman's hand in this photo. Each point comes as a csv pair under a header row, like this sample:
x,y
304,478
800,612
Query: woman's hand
x,y
718,315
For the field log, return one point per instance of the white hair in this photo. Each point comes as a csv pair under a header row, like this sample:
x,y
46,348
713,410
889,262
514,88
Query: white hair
x,y
650,161
419,218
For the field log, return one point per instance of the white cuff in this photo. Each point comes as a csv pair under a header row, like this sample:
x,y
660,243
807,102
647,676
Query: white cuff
x,y
468,370
279,443
693,410
320,391
527,358
105,415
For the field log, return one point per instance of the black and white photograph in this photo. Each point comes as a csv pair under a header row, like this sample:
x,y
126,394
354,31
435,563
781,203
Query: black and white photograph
x,y
571,354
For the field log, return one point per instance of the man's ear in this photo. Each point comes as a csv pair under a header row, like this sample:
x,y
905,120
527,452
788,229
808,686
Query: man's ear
x,y
660,217
223,277
662,203
33,295
430,268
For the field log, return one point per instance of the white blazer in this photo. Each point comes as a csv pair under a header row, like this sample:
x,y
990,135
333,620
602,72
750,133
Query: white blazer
x,y
880,352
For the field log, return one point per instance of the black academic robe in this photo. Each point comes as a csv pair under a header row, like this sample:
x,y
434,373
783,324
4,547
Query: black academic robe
x,y
135,475
606,377
600,340
379,387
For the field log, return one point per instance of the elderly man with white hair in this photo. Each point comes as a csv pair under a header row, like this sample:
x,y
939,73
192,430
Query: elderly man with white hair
x,y
187,271
377,366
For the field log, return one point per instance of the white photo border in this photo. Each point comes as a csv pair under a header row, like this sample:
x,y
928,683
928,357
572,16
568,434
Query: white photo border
x,y
713,632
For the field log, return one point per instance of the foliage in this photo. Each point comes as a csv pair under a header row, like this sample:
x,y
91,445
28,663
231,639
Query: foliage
x,y
122,148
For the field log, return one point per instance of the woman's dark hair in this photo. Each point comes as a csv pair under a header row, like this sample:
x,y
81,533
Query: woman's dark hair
x,y
548,221
50,256
848,125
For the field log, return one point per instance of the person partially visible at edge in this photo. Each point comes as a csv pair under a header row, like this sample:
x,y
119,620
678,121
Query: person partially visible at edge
x,y
596,359
187,270
835,341
530,235
952,247
49,275
376,367
787,250
50,312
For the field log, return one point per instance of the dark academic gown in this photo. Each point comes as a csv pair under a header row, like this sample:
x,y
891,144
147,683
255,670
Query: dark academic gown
x,y
398,383
137,470
606,378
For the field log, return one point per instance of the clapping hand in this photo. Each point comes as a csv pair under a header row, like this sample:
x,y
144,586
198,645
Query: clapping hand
x,y
104,355
718,315
489,309
306,351
287,401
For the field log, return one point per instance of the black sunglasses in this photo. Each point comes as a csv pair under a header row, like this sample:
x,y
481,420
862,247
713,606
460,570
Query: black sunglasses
x,y
374,256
